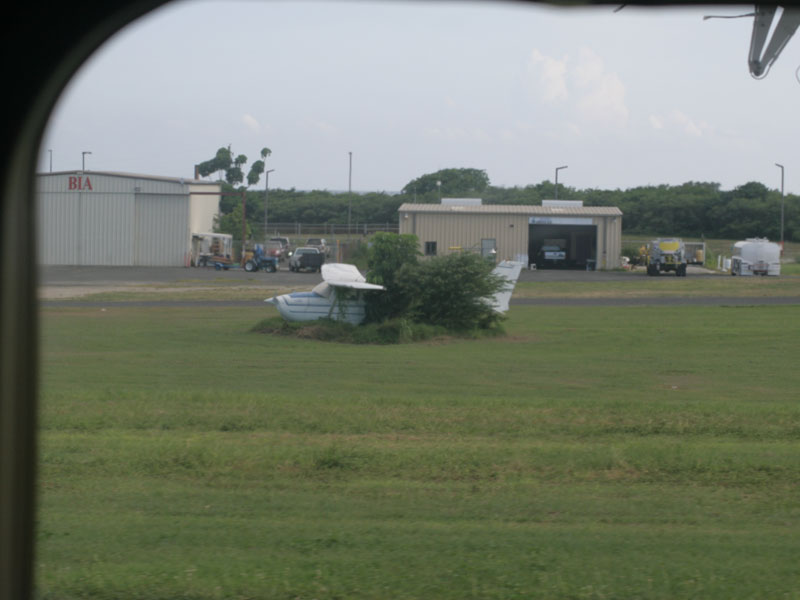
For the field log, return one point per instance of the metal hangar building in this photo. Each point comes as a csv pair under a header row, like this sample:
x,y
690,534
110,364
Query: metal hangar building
x,y
558,234
119,219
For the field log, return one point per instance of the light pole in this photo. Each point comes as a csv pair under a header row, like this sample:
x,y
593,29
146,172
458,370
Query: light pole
x,y
782,201
349,193
266,204
51,160
557,170
439,186
83,159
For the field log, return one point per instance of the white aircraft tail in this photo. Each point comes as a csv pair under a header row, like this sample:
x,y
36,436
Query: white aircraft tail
x,y
508,270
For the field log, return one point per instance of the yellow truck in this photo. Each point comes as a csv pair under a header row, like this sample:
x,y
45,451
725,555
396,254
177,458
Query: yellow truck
x,y
665,255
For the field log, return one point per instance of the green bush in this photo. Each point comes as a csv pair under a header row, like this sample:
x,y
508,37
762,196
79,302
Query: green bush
x,y
451,291
388,253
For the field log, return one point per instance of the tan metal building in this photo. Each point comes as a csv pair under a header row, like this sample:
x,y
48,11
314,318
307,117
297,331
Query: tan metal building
x,y
564,235
120,219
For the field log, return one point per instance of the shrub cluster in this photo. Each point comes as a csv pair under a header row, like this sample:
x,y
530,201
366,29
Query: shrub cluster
x,y
394,331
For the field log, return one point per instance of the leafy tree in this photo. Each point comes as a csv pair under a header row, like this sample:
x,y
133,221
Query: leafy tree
x,y
453,182
233,167
258,167
232,223
388,254
451,291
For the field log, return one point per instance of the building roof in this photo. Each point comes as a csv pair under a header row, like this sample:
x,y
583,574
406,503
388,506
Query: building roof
x,y
187,180
514,209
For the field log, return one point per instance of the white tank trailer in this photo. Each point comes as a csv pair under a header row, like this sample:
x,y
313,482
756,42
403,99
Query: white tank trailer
x,y
756,256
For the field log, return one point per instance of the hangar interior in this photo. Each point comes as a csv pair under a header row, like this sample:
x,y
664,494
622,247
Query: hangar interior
x,y
562,246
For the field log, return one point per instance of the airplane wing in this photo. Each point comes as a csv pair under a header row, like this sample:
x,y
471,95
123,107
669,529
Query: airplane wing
x,y
508,270
348,276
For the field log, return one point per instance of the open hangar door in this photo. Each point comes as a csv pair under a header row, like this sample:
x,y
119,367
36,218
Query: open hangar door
x,y
562,243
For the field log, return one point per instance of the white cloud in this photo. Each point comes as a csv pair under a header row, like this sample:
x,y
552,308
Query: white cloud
x,y
688,125
677,120
584,84
324,127
551,74
602,94
656,122
251,123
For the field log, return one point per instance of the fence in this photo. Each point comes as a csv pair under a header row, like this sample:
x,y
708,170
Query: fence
x,y
328,229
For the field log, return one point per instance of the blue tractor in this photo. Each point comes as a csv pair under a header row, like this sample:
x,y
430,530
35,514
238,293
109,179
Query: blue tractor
x,y
258,260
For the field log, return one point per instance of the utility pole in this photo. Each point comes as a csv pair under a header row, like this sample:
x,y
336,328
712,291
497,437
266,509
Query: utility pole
x,y
557,170
783,197
266,204
244,221
349,193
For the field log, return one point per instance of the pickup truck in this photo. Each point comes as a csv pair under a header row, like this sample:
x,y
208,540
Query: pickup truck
x,y
306,258
320,244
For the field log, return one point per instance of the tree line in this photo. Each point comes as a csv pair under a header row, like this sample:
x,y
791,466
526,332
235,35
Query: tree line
x,y
692,209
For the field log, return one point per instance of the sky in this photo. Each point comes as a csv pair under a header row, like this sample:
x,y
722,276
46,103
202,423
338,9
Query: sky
x,y
641,96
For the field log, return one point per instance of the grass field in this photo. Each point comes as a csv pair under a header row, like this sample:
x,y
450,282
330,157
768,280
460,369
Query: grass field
x,y
591,453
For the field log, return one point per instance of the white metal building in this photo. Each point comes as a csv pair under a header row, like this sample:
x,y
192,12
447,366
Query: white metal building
x,y
119,219
557,235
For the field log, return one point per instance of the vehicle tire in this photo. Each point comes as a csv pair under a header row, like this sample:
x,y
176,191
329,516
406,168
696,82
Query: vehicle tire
x,y
270,268
249,266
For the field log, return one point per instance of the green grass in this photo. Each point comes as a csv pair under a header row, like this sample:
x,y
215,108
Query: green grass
x,y
591,453
639,285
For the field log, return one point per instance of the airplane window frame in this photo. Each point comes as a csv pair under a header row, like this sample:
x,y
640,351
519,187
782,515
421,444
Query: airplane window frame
x,y
48,42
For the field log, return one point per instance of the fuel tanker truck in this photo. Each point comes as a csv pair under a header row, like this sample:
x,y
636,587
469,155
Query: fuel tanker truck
x,y
664,255
756,256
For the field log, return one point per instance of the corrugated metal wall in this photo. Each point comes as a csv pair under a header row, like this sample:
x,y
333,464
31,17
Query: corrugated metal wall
x,y
100,219
106,237
467,231
59,229
162,230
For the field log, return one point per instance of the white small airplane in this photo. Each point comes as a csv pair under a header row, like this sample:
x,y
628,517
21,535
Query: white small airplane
x,y
340,296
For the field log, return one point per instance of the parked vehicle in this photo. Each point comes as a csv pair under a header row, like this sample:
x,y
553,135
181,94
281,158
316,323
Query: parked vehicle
x,y
320,244
285,245
663,255
695,252
276,250
211,249
306,259
258,260
756,256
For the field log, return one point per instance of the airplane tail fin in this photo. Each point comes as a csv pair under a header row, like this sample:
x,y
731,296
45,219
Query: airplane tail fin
x,y
273,301
508,270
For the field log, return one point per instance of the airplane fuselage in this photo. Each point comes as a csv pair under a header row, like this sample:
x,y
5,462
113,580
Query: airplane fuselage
x,y
310,306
